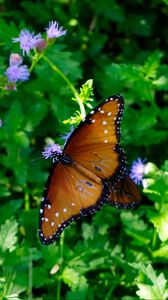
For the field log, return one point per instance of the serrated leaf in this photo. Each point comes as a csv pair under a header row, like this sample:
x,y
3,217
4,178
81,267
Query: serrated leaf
x,y
152,64
76,119
157,289
160,221
70,277
151,292
86,92
8,236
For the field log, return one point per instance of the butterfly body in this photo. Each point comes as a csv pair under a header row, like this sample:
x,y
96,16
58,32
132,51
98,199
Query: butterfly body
x,y
88,171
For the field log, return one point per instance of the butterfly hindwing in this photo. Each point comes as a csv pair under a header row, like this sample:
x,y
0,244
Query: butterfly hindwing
x,y
68,196
124,194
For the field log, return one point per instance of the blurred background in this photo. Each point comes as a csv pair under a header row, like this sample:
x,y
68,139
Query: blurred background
x,y
113,254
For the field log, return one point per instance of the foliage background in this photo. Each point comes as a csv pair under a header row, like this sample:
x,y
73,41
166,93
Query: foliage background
x,y
113,254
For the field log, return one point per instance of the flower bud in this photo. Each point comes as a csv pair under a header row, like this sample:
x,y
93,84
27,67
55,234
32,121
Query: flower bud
x,y
40,45
15,60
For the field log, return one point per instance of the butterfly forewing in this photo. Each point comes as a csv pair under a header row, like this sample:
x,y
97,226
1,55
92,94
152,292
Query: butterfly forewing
x,y
69,195
95,143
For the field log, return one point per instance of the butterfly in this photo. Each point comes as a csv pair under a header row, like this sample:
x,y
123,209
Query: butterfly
x,y
88,172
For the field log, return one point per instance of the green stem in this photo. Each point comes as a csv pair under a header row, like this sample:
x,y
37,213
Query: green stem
x,y
26,200
61,257
30,277
35,60
154,239
72,88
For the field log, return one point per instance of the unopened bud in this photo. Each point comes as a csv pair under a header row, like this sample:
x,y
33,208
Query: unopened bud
x,y
15,59
41,45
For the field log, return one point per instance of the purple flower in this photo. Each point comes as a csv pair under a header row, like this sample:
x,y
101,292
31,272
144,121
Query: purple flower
x,y
66,136
138,170
54,30
15,60
50,150
27,40
16,73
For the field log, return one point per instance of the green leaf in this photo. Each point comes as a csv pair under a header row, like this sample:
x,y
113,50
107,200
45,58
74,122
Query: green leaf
x,y
151,292
160,221
81,293
76,119
71,277
65,61
77,283
150,286
29,221
136,227
14,117
8,236
87,231
161,252
86,92
151,65
21,139
9,209
8,30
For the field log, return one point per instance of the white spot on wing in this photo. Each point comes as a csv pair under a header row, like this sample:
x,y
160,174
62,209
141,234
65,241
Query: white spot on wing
x,y
104,122
57,214
109,113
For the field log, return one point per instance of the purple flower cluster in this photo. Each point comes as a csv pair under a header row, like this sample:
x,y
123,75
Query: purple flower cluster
x,y
50,150
137,170
28,40
54,30
16,71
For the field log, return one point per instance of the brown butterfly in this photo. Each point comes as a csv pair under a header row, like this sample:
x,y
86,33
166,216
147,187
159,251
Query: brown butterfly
x,y
88,172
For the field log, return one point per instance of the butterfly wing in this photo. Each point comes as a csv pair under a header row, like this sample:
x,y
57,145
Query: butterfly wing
x,y
124,194
68,196
94,144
